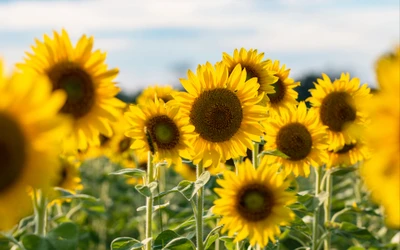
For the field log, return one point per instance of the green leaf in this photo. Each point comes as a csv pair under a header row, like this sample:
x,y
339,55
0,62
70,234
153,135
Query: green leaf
x,y
356,248
65,236
132,172
228,242
126,243
35,242
350,230
146,190
164,238
299,225
211,237
186,188
180,243
343,171
200,182
275,153
67,194
158,207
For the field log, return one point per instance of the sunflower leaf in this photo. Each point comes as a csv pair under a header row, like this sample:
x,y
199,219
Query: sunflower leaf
x,y
132,172
126,243
35,242
164,238
275,152
200,182
146,190
65,236
180,243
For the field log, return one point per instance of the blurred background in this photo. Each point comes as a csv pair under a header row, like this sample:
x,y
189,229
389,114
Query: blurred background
x,y
158,41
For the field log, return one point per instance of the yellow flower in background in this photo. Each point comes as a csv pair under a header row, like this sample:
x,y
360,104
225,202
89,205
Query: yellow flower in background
x,y
188,171
222,108
349,155
30,132
381,173
162,92
285,96
88,83
253,203
338,106
299,135
161,129
253,62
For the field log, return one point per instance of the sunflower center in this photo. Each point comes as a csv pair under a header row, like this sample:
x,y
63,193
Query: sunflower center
x,y
78,85
12,152
336,111
346,148
124,144
104,139
163,131
280,92
255,202
217,114
295,141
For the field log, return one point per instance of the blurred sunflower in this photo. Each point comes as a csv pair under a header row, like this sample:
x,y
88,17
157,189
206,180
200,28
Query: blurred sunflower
x,y
84,76
253,203
381,173
222,108
285,96
162,92
188,171
168,130
30,129
253,62
300,136
338,106
349,155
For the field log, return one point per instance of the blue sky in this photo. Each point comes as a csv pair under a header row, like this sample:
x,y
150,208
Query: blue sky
x,y
157,41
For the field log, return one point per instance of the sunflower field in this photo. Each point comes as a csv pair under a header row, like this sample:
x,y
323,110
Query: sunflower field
x,y
232,160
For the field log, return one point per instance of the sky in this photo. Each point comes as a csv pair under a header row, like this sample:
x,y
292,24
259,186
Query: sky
x,y
156,42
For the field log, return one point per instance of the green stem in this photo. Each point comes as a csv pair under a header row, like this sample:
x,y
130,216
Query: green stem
x,y
41,213
327,209
255,155
357,194
149,201
200,204
318,172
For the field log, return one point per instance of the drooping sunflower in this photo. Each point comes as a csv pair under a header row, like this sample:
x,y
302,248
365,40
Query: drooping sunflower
x,y
253,203
162,92
381,173
300,136
285,96
338,106
88,83
255,66
222,108
161,129
30,129
349,155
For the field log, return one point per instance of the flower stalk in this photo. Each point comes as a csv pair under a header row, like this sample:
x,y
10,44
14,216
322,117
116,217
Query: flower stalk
x,y
327,209
200,208
41,212
318,172
149,201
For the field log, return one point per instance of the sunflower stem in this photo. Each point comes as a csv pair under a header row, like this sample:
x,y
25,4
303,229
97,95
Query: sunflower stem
x,y
327,209
357,193
255,155
200,208
318,172
149,201
41,213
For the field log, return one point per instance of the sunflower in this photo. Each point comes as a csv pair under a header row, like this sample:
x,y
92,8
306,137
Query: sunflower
x,y
338,105
163,92
253,62
161,129
87,81
253,203
222,108
285,95
300,136
381,173
29,145
349,155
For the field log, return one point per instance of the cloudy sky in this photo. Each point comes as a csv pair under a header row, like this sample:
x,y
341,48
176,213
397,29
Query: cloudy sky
x,y
157,41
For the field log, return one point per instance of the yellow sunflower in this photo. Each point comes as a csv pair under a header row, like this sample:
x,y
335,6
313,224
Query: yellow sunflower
x,y
30,129
285,96
161,129
349,155
87,81
253,203
222,108
338,106
253,62
162,92
300,136
381,173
